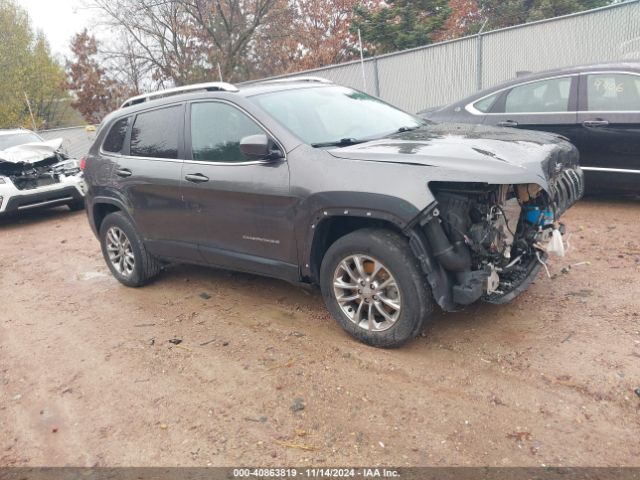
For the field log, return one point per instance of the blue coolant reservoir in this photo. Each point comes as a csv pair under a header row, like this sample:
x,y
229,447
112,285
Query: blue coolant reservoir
x,y
537,216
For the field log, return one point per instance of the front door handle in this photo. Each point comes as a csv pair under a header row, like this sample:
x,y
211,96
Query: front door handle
x,y
124,172
508,123
595,123
196,178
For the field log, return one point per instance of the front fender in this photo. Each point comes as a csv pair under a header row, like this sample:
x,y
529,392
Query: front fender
x,y
355,205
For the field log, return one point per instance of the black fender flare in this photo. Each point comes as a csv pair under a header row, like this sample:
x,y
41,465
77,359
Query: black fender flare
x,y
121,204
313,225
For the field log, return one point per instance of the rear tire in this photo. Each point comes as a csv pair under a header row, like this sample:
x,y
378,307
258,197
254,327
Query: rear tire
x,y
124,251
388,302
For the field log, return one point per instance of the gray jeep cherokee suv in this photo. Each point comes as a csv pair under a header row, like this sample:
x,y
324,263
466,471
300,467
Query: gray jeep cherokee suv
x,y
317,183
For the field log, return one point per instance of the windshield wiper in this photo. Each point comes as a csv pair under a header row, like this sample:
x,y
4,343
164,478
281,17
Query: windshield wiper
x,y
408,129
343,142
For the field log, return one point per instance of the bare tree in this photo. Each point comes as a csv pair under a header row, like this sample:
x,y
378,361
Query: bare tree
x,y
126,62
160,37
184,41
230,27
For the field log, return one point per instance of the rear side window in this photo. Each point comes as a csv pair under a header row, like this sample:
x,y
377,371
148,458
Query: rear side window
x,y
155,133
613,92
114,141
539,97
216,131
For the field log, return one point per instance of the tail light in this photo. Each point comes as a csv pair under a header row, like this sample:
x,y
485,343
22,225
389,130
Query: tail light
x,y
83,163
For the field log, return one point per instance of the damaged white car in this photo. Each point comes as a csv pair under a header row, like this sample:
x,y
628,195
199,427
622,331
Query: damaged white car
x,y
37,174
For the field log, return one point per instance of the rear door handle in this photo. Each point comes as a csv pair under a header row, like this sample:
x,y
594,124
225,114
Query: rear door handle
x,y
508,123
595,123
124,172
196,178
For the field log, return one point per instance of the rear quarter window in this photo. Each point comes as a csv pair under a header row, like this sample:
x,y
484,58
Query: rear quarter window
x,y
485,104
114,141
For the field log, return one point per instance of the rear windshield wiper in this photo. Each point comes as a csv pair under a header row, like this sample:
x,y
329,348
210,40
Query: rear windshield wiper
x,y
343,142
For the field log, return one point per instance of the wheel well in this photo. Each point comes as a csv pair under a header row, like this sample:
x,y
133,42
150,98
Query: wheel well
x,y
101,210
331,229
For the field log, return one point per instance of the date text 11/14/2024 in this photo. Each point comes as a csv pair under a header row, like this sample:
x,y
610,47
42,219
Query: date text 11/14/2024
x,y
364,473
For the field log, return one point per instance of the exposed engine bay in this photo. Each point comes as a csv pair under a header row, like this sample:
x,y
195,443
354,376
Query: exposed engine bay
x,y
491,240
32,166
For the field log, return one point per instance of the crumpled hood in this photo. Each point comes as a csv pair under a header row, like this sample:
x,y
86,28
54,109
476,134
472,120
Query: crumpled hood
x,y
31,152
468,152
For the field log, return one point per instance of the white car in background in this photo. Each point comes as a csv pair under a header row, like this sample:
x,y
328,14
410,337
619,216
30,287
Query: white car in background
x,y
37,174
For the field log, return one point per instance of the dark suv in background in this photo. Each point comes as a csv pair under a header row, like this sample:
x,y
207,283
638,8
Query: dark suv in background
x,y
317,183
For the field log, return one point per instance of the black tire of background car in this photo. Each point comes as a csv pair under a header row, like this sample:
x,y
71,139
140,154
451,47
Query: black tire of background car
x,y
394,252
76,205
146,267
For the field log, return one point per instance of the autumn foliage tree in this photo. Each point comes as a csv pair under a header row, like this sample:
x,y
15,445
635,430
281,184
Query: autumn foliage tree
x,y
96,93
321,30
28,73
506,13
162,43
464,19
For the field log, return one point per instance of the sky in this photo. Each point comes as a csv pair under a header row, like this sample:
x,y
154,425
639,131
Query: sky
x,y
60,20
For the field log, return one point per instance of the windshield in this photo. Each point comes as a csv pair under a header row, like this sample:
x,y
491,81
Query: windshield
x,y
8,141
334,115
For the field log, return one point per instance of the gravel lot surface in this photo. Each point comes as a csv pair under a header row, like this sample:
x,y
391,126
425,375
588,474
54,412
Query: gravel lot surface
x,y
263,376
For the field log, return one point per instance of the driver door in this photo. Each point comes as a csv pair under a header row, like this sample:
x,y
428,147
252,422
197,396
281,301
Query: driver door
x,y
239,210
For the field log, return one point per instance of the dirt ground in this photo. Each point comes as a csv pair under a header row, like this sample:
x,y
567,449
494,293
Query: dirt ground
x,y
263,376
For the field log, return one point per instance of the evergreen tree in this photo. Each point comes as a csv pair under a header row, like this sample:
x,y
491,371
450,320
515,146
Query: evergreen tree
x,y
400,24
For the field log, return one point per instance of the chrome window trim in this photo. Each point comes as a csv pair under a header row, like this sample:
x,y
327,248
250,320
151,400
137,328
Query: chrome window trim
x,y
208,162
612,170
474,111
178,160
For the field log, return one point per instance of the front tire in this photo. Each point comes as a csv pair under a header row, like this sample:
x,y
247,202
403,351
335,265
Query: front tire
x,y
373,286
125,253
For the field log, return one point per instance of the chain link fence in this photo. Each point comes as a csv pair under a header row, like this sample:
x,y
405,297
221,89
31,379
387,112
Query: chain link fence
x,y
442,73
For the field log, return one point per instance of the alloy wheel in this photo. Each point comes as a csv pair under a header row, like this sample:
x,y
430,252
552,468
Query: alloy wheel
x,y
367,292
120,252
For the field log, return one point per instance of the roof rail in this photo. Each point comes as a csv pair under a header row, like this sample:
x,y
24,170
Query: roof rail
x,y
209,86
299,79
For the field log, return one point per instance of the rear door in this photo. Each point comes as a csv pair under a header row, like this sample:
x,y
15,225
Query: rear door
x,y
610,127
148,174
239,211
548,105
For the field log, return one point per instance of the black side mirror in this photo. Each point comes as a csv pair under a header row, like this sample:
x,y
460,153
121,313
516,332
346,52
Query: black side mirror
x,y
259,147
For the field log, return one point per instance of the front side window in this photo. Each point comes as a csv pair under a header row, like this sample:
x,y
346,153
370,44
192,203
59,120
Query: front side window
x,y
155,133
114,140
613,92
328,114
216,131
540,97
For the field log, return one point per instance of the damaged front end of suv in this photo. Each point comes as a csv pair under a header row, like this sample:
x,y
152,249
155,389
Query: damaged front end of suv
x,y
488,241
492,209
37,175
